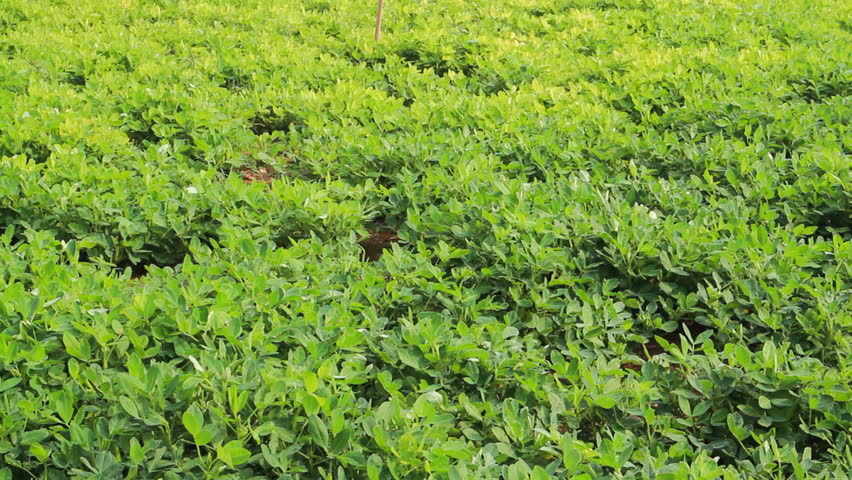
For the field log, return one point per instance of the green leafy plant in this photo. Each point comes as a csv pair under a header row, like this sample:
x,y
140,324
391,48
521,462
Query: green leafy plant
x,y
537,239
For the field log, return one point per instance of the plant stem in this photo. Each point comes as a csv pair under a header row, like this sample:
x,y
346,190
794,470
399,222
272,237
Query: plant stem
x,y
379,11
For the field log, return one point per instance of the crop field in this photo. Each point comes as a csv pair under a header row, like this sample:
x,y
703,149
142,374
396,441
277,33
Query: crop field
x,y
518,239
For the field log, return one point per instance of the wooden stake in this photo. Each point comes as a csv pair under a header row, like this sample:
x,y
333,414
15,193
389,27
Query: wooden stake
x,y
379,12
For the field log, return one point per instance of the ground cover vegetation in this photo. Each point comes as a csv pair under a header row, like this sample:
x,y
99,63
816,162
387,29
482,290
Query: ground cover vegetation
x,y
516,238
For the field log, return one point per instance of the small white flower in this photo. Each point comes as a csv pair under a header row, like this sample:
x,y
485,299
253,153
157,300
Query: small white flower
x,y
192,190
652,214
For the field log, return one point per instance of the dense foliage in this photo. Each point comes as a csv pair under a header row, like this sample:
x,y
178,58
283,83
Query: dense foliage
x,y
617,239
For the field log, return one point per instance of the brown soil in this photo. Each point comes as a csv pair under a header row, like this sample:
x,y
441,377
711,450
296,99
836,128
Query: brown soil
x,y
375,244
652,347
261,174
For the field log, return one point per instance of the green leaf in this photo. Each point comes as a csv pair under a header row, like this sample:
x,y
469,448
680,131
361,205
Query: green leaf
x,y
735,423
233,453
374,467
77,348
750,410
193,420
457,472
571,457
34,436
764,403
518,471
510,332
129,406
604,401
137,454
341,440
702,408
9,383
8,234
411,357
311,382
684,405
310,403
318,431
64,405
457,449
205,435
743,356
39,451
539,473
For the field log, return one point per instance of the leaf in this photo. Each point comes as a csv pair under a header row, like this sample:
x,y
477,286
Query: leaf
x,y
8,234
743,356
233,453
129,406
457,449
684,405
374,467
571,457
518,470
193,420
310,403
318,431
311,382
702,408
510,332
341,440
206,434
539,473
604,401
237,399
34,436
65,405
39,451
750,410
457,472
410,357
137,454
735,426
76,348
9,383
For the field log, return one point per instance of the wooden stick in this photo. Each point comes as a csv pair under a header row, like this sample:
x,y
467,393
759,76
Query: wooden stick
x,y
379,12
